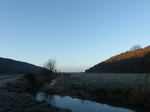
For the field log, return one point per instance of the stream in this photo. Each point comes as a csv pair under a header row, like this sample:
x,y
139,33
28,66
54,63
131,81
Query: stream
x,y
78,105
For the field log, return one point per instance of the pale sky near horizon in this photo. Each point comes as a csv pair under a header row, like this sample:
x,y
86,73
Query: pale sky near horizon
x,y
77,33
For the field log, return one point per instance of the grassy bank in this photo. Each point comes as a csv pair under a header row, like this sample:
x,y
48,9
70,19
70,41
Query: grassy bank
x,y
16,102
132,89
14,96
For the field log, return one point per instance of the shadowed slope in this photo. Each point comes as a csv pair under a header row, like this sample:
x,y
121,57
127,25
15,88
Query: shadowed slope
x,y
13,66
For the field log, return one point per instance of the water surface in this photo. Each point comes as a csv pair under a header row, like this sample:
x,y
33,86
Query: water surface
x,y
78,105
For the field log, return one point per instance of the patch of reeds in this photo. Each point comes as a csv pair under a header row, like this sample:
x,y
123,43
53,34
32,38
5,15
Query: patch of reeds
x,y
85,93
61,79
140,96
51,89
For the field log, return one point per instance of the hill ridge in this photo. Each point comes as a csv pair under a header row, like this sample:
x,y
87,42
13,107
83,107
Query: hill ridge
x,y
137,61
13,66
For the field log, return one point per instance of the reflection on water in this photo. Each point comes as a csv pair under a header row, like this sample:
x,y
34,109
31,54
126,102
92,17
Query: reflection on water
x,y
78,105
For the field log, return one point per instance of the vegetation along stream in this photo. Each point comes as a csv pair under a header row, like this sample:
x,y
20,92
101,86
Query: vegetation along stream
x,y
81,92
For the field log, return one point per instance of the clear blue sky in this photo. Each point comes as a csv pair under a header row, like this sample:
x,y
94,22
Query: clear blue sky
x,y
77,33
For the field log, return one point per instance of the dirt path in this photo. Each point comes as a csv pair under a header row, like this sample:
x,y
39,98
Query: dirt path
x,y
4,79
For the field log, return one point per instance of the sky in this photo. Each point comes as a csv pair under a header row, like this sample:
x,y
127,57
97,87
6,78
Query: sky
x,y
78,34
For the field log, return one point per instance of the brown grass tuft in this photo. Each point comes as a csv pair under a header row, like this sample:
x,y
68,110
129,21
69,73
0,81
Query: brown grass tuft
x,y
61,79
51,89
140,95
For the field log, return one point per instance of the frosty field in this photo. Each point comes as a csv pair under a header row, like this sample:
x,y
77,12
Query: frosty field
x,y
123,81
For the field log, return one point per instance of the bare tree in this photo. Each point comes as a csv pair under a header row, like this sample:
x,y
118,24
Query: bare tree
x,y
50,65
136,47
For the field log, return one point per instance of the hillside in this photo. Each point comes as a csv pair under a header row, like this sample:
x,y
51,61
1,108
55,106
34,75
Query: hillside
x,y
137,61
13,66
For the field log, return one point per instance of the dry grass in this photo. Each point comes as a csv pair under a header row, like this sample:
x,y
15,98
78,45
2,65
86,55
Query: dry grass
x,y
85,93
140,95
51,89
61,79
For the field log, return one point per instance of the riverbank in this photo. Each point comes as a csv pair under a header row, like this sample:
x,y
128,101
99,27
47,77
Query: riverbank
x,y
23,102
127,89
15,97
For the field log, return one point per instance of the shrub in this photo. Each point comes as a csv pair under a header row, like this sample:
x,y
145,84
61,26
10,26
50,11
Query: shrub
x,y
47,72
31,78
18,85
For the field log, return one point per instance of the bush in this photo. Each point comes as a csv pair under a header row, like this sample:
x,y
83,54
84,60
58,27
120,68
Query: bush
x,y
31,78
18,85
48,74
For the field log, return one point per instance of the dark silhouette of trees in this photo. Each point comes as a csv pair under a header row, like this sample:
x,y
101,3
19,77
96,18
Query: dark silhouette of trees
x,y
13,66
50,68
50,65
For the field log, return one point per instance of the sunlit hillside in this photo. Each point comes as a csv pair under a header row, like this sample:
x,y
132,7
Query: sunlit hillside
x,y
133,61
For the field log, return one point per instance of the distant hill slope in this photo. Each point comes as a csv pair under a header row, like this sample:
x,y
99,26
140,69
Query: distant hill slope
x,y
137,61
13,66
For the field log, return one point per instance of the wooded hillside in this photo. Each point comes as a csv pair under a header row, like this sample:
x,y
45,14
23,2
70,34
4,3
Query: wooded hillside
x,y
135,61
13,66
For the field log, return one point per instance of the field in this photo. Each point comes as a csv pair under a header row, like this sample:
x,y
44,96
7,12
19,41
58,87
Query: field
x,y
108,81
